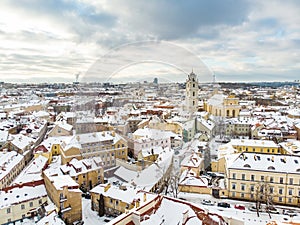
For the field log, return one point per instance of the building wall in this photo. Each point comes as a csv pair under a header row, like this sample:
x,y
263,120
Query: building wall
x,y
67,156
13,173
90,179
147,143
229,108
20,210
219,165
58,131
65,198
112,206
174,127
194,189
259,149
244,184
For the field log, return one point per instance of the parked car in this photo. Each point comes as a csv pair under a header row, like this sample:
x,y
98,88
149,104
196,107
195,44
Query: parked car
x,y
272,210
224,204
253,208
239,206
207,202
289,213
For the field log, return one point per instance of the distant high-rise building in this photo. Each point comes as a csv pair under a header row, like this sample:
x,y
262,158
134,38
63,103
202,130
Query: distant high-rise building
x,y
155,81
192,92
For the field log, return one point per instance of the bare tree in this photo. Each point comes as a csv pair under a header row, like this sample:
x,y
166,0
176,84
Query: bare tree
x,y
264,194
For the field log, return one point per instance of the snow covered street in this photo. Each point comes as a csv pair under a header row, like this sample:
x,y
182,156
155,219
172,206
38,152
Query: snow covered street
x,y
249,217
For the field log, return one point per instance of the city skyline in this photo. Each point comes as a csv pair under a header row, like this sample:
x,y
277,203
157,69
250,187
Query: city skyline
x,y
237,40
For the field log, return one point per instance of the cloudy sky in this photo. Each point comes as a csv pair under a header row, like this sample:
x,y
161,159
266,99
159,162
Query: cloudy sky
x,y
237,40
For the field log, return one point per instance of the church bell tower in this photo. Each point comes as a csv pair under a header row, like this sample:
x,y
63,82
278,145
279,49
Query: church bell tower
x,y
192,92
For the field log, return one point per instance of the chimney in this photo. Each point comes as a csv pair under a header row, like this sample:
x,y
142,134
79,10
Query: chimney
x,y
106,187
137,203
145,197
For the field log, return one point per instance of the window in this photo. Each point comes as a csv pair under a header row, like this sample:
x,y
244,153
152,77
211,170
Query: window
x,y
40,201
271,190
30,204
280,199
281,180
243,187
289,200
252,188
290,191
23,216
111,201
280,191
271,179
243,176
262,178
252,177
234,176
291,180
22,206
8,210
242,195
233,186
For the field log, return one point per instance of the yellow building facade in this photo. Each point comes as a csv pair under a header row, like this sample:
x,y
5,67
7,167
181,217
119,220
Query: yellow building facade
x,y
222,105
255,177
65,194
114,201
16,210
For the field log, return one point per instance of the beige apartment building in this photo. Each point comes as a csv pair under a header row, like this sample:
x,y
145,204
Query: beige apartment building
x,y
18,203
65,194
253,177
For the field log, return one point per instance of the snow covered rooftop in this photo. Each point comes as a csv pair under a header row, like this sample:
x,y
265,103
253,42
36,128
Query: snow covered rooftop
x,y
127,195
3,136
21,141
8,160
125,174
25,193
293,147
254,143
189,178
33,171
51,219
64,181
266,162
192,161
155,134
75,167
148,177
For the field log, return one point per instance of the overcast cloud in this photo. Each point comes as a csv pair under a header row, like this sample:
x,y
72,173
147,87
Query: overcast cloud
x,y
238,40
